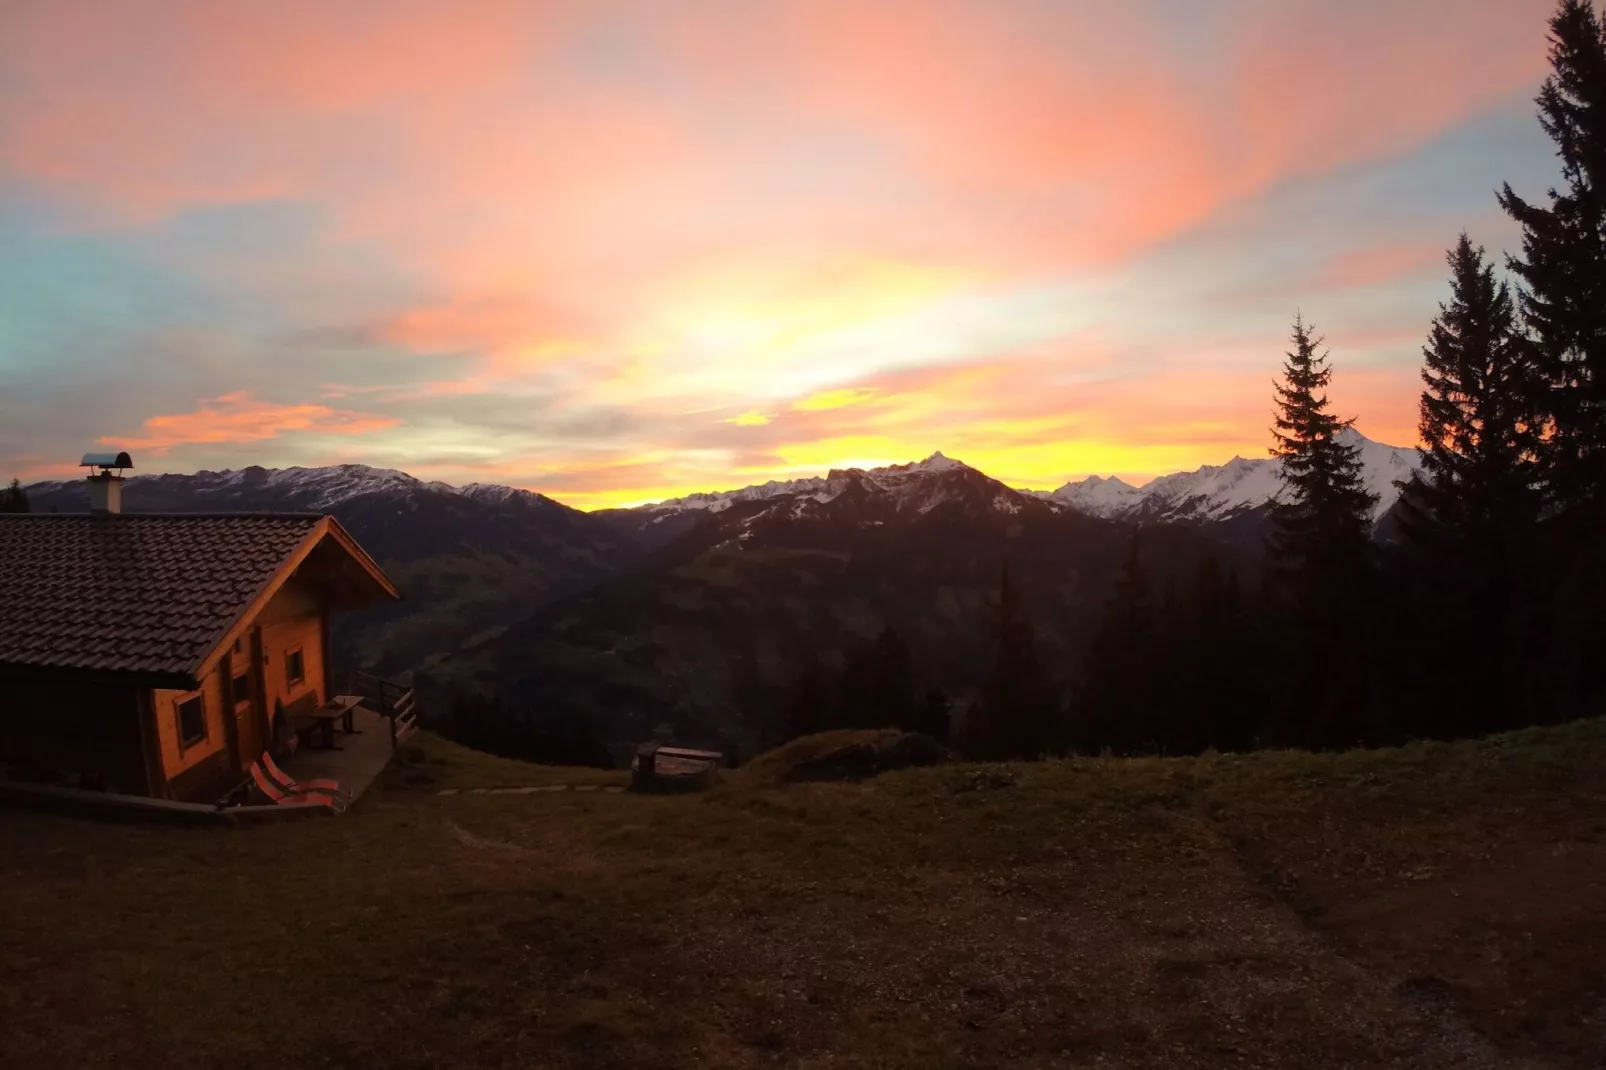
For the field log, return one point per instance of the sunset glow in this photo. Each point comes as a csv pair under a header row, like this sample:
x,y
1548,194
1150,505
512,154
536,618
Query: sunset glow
x,y
617,252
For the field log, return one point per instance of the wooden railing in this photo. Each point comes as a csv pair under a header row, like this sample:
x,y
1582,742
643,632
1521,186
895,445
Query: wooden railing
x,y
403,719
396,702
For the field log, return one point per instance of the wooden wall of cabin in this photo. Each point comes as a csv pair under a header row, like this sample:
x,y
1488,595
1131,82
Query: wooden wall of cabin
x,y
204,768
294,620
77,728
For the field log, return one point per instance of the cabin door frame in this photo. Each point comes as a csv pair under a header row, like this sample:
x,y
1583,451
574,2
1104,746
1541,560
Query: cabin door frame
x,y
248,711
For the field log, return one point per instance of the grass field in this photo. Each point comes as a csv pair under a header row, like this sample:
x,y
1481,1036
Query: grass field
x,y
1436,906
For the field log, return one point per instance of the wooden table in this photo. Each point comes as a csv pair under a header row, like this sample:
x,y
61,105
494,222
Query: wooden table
x,y
336,709
323,724
346,703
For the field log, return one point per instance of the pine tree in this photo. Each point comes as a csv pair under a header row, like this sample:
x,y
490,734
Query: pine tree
x,y
892,681
808,710
1017,714
1118,692
1469,518
1563,304
1322,524
1320,556
1563,261
1219,702
934,716
1478,424
14,499
856,702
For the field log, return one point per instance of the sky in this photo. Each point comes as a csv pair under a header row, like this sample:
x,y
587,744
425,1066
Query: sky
x,y
616,252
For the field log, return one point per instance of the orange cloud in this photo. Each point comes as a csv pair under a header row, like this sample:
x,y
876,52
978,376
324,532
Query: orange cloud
x,y
237,417
724,206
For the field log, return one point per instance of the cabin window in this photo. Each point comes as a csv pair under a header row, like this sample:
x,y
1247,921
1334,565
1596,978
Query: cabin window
x,y
241,688
192,721
295,668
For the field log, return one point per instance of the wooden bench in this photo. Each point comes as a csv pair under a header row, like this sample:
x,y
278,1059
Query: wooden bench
x,y
661,768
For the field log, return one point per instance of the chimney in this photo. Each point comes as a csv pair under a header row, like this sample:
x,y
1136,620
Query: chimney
x,y
105,488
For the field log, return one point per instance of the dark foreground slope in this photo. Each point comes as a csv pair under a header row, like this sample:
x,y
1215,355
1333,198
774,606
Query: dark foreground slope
x,y
1437,906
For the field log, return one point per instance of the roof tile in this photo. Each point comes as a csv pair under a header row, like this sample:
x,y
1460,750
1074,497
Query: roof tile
x,y
132,592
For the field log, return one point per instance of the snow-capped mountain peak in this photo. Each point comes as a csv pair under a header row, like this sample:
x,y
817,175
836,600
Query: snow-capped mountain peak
x,y
1217,492
820,488
937,462
1096,495
321,489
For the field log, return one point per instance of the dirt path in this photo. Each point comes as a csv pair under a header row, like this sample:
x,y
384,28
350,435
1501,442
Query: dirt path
x,y
482,843
609,789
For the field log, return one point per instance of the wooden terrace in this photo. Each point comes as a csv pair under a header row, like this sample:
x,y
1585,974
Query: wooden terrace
x,y
355,759
351,738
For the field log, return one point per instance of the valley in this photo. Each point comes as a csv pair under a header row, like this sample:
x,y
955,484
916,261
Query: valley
x,y
701,612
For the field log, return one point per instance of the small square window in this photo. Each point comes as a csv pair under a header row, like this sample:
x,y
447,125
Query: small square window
x,y
241,688
192,721
295,670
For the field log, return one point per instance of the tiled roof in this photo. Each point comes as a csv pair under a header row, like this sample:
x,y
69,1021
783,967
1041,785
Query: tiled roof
x,y
133,592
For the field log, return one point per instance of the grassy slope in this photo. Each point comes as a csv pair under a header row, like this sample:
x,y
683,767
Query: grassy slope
x,y
437,763
1435,906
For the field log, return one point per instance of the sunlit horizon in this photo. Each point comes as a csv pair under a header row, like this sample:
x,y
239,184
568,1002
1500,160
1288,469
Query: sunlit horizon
x,y
616,255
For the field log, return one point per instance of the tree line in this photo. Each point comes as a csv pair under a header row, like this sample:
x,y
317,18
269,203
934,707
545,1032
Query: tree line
x,y
1484,610
13,499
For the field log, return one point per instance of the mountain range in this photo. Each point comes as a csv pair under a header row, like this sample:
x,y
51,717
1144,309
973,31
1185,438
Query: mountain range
x,y
739,589
467,559
1232,498
701,610
1221,492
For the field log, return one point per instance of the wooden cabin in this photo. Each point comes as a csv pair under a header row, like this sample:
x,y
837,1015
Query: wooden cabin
x,y
149,654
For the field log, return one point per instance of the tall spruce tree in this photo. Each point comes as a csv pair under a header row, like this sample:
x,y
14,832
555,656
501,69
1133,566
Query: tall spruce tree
x,y
1017,714
1322,523
1563,261
1480,425
1563,304
1320,556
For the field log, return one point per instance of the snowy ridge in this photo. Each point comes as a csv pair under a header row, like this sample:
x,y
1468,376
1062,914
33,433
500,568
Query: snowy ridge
x,y
321,489
1217,492
1096,495
1212,492
902,480
330,485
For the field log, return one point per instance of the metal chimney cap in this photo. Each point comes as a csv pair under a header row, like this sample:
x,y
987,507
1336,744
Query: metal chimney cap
x,y
106,460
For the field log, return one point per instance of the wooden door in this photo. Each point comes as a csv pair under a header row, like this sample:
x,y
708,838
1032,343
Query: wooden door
x,y
245,700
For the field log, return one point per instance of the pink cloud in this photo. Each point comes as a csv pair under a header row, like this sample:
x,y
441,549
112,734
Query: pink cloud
x,y
551,175
238,417
483,149
1378,264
